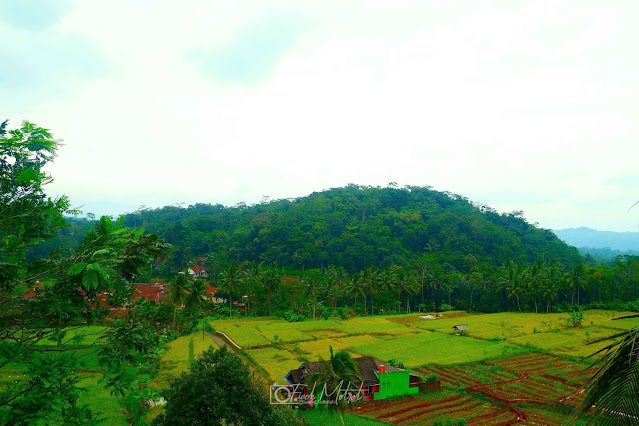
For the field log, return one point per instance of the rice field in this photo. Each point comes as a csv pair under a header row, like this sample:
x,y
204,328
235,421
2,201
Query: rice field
x,y
175,359
510,368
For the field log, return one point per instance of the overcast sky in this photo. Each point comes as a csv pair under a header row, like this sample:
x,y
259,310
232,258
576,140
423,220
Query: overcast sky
x,y
527,106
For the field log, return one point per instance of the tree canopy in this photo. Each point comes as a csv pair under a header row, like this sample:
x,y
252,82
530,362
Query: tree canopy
x,y
109,255
354,227
219,389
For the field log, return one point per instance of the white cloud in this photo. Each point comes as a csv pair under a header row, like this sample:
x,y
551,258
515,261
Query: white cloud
x,y
531,106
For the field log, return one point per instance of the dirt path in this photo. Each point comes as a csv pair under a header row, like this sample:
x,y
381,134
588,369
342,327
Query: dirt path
x,y
219,341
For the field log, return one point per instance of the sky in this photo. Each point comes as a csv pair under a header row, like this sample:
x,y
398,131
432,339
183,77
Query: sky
x,y
520,105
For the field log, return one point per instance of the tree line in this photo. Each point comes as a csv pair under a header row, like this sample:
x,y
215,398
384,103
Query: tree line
x,y
256,289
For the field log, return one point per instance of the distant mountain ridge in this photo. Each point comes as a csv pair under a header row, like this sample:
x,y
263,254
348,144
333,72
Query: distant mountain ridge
x,y
588,237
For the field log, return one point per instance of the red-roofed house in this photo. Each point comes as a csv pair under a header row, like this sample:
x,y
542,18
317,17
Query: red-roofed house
x,y
33,291
149,292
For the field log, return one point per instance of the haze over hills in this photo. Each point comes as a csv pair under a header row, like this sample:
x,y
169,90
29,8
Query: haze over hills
x,y
592,238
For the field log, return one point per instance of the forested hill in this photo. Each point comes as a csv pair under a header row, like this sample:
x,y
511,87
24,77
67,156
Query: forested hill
x,y
354,227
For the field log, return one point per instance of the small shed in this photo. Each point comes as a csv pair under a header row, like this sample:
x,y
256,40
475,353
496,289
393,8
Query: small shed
x,y
461,328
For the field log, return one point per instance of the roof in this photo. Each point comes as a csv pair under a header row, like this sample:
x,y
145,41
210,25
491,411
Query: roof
x,y
367,368
294,376
32,292
211,291
148,291
198,269
461,327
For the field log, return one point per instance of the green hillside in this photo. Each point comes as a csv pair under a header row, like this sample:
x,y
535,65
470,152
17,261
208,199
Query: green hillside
x,y
354,227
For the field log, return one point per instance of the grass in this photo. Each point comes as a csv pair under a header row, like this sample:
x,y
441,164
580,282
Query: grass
x,y
436,348
324,417
175,359
244,333
317,348
279,346
276,361
82,336
100,401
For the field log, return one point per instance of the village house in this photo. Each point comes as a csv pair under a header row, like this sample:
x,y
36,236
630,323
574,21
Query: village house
x,y
149,291
152,291
210,295
198,271
379,379
33,291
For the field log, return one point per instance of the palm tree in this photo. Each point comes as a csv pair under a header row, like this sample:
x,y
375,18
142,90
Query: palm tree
x,y
576,279
370,281
535,282
176,293
355,287
333,373
251,276
403,282
612,391
338,279
196,297
513,282
422,272
230,284
312,279
271,279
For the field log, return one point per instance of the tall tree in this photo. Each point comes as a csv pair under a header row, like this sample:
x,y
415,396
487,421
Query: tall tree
x,y
576,279
512,281
230,284
177,292
338,372
196,296
271,279
110,255
218,390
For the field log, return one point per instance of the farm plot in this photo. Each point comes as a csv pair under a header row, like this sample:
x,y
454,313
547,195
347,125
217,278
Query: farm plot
x,y
428,408
468,375
275,361
542,379
426,348
292,332
320,348
242,333
175,359
546,416
574,342
511,325
531,388
368,325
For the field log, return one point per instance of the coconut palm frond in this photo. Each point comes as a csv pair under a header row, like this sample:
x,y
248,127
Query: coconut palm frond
x,y
612,392
614,336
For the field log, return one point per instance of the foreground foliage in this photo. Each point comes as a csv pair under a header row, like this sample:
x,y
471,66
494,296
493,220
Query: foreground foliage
x,y
39,328
218,389
613,391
